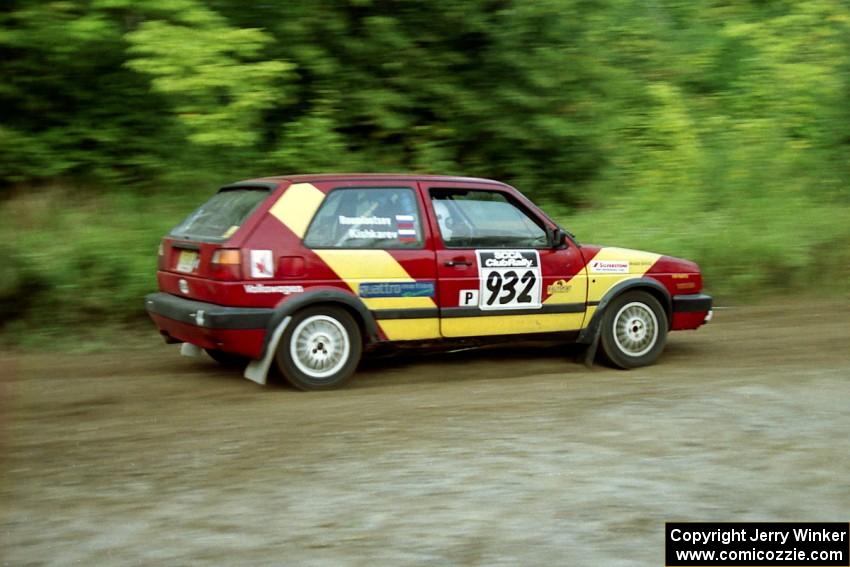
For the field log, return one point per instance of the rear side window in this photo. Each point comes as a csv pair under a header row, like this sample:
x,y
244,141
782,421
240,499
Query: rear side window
x,y
217,219
367,218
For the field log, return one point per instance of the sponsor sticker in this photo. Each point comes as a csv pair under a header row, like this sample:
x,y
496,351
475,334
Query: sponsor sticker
x,y
262,264
609,266
509,279
263,288
397,289
560,286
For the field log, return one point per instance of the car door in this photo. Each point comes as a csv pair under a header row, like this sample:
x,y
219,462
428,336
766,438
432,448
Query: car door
x,y
371,236
498,273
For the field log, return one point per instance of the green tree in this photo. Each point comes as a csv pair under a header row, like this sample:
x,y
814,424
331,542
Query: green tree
x,y
213,75
68,106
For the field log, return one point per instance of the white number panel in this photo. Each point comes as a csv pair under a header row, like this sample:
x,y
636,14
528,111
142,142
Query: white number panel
x,y
509,279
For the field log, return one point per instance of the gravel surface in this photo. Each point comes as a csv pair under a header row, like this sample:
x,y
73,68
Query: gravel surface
x,y
512,456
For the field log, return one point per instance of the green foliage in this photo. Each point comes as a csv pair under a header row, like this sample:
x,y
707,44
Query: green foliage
x,y
718,131
213,74
80,260
66,103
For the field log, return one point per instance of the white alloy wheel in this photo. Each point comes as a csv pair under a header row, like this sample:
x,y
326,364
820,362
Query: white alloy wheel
x,y
320,346
635,329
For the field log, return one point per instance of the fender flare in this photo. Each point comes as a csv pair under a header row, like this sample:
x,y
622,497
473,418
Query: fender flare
x,y
318,295
591,331
257,370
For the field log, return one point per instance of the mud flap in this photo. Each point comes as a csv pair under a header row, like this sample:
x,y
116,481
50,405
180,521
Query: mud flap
x,y
190,350
590,351
258,370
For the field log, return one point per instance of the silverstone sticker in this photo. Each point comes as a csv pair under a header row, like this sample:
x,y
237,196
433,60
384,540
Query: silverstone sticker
x,y
263,288
609,266
397,289
509,279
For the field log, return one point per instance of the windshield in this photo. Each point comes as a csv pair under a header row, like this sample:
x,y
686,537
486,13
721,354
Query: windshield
x,y
221,216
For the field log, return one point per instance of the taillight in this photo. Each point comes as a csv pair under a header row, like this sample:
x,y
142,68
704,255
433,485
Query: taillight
x,y
226,264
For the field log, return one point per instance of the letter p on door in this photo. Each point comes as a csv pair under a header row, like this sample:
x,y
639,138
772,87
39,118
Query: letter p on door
x,y
468,297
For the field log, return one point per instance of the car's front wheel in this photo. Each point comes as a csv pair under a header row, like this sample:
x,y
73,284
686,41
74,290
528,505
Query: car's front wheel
x,y
634,330
320,348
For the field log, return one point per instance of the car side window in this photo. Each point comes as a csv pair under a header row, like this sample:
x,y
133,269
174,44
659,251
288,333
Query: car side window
x,y
479,218
355,217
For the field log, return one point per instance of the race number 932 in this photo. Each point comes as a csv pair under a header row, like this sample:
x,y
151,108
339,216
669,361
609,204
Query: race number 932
x,y
509,279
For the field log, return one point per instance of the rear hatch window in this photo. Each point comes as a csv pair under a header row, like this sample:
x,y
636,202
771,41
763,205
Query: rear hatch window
x,y
221,216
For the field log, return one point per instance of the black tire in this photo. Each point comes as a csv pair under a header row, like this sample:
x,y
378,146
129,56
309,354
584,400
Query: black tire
x,y
227,359
634,330
319,349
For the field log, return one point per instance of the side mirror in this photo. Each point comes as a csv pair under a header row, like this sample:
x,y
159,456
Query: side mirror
x,y
558,238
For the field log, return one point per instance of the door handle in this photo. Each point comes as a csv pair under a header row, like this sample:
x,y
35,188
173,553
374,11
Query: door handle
x,y
458,262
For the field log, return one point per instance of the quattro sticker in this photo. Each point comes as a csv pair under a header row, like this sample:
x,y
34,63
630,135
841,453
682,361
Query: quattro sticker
x,y
509,279
397,289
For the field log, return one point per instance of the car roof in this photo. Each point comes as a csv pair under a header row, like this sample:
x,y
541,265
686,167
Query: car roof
x,y
383,177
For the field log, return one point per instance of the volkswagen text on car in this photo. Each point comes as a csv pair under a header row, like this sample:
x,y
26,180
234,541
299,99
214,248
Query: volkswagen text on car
x,y
306,271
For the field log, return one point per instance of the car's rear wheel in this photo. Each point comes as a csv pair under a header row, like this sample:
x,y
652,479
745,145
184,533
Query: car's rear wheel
x,y
228,359
634,330
320,348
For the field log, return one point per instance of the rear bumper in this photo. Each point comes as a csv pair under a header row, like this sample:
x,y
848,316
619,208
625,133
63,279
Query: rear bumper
x,y
691,311
239,330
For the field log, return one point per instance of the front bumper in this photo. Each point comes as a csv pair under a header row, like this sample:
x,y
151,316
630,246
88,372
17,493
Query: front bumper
x,y
691,303
239,330
691,311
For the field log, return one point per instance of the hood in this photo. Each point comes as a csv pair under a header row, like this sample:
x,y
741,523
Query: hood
x,y
615,260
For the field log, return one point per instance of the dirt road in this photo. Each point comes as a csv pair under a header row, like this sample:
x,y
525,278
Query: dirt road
x,y
502,457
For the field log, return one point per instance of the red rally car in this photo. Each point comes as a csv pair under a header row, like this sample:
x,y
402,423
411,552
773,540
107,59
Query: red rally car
x,y
308,270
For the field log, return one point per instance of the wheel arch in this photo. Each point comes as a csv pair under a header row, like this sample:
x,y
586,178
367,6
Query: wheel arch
x,y
651,286
325,296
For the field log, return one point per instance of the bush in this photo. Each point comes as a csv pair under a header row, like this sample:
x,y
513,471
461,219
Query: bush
x,y
80,262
